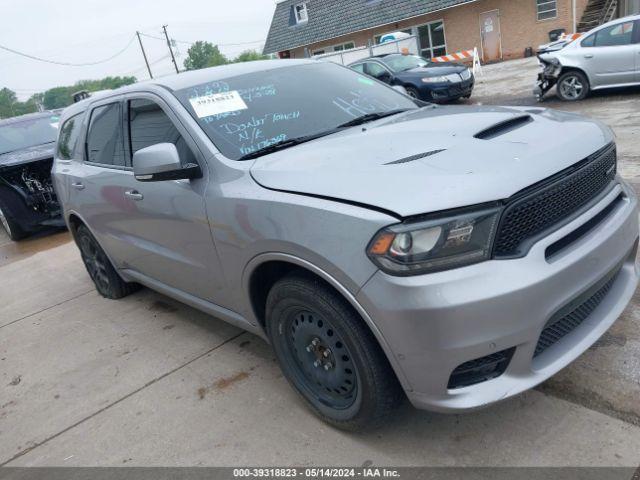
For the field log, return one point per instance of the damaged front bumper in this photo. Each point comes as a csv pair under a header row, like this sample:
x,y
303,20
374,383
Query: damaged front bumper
x,y
27,194
547,78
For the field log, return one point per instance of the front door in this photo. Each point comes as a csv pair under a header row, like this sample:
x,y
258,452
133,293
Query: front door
x,y
159,229
490,35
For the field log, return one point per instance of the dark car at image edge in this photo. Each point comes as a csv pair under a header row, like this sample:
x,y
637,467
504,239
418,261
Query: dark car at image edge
x,y
421,78
28,201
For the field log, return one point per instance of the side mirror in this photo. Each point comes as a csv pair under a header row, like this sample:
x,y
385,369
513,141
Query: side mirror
x,y
400,89
161,162
385,77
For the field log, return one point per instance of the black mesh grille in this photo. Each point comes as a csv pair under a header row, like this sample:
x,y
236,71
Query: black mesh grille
x,y
569,322
547,206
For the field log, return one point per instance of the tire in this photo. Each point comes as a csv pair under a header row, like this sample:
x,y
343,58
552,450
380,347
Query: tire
x,y
412,92
13,229
329,355
572,86
108,282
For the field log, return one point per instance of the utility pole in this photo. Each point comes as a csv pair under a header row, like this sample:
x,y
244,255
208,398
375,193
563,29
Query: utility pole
x,y
144,55
173,59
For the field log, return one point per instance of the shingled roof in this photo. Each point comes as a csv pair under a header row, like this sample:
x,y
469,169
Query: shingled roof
x,y
332,18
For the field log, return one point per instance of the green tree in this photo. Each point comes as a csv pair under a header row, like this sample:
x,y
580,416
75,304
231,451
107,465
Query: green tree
x,y
7,103
250,56
202,55
60,97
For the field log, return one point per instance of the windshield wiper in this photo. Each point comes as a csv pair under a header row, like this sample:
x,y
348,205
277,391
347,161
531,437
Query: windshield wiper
x,y
370,117
292,142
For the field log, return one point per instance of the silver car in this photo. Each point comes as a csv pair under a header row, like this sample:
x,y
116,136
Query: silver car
x,y
607,56
386,248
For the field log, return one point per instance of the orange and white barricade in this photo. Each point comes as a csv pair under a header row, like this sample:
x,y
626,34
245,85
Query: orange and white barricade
x,y
464,55
570,36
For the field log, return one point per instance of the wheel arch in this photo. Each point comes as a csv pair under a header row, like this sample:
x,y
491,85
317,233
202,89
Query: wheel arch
x,y
571,68
264,271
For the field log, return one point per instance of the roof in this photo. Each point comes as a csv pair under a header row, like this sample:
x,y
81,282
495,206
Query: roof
x,y
28,116
333,18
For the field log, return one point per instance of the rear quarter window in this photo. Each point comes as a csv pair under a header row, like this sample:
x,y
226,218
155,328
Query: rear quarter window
x,y
68,138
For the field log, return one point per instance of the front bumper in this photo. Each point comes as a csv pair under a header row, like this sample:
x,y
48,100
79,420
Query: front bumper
x,y
442,92
434,323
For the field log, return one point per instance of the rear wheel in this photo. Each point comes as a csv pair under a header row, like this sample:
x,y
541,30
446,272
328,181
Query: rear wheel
x,y
105,277
328,355
572,86
12,228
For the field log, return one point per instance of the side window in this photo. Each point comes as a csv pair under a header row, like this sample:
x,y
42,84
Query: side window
x,y
68,137
149,125
590,41
615,35
376,71
358,68
104,140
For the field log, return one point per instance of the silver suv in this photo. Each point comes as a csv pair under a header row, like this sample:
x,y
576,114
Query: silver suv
x,y
382,245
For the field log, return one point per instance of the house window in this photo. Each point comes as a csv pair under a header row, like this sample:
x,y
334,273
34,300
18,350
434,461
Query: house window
x,y
300,11
344,46
319,52
432,40
546,9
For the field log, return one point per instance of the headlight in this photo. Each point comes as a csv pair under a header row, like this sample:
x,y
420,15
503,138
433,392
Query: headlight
x,y
465,74
439,79
436,244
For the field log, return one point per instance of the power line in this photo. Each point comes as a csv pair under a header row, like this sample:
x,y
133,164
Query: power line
x,y
191,43
67,64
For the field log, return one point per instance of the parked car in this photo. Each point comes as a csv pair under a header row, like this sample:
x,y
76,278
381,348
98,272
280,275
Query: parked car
x,y
605,57
422,79
459,254
27,200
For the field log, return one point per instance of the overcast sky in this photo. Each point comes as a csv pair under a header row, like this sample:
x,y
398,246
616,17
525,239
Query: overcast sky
x,y
84,31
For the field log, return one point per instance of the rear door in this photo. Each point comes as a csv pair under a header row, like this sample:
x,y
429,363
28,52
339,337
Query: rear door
x,y
609,55
637,44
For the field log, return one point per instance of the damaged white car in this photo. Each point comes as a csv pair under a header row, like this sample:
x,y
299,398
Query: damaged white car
x,y
605,57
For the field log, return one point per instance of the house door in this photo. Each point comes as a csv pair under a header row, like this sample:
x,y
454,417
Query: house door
x,y
490,35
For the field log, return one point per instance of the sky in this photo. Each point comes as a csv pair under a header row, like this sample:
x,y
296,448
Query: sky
x,y
86,31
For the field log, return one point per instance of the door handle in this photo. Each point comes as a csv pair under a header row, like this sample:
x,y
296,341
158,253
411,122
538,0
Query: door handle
x,y
134,195
78,186
590,55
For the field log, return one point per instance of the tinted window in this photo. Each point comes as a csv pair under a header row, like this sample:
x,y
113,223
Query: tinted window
x,y
400,63
248,112
358,68
615,35
376,70
104,141
69,137
28,133
149,125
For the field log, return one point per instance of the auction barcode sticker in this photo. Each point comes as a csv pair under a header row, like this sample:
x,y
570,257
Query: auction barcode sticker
x,y
218,103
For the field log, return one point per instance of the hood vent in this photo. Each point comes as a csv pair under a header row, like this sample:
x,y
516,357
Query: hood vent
x,y
503,127
413,158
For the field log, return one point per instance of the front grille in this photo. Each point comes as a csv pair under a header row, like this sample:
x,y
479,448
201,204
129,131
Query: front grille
x,y
480,369
546,207
568,322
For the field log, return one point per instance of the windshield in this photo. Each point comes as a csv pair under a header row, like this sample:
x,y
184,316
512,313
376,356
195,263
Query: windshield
x,y
247,113
27,133
400,63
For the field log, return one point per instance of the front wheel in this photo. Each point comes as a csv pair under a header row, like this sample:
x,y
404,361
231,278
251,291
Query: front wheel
x,y
10,226
328,355
572,86
412,92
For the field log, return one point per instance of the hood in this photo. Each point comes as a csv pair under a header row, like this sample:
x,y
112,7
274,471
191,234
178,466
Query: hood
x,y
27,155
553,46
434,70
430,160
